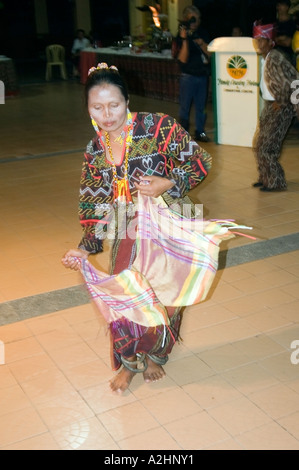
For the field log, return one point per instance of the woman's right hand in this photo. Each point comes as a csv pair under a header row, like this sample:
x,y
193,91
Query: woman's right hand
x,y
69,259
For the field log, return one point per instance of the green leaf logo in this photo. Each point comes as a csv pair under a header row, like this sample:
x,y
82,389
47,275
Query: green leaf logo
x,y
236,67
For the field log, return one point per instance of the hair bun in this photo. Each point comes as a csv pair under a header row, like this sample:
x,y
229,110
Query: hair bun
x,y
100,66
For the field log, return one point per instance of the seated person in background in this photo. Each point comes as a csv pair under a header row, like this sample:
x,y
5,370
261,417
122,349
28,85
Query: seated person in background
x,y
80,43
285,29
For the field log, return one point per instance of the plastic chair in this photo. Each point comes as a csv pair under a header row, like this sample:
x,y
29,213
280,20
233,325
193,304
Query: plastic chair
x,y
55,54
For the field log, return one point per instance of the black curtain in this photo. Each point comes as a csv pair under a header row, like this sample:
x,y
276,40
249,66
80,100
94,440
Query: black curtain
x,y
18,36
17,28
220,16
61,23
110,20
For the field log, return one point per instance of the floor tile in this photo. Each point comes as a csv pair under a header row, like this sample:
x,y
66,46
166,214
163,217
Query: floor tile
x,y
61,412
271,436
250,378
31,367
47,387
197,432
19,425
23,348
100,399
224,358
239,416
277,401
88,434
88,374
171,405
280,366
188,370
43,441
118,421
157,439
291,424
212,391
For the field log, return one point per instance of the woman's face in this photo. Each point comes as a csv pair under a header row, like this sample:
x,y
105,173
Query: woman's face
x,y
108,107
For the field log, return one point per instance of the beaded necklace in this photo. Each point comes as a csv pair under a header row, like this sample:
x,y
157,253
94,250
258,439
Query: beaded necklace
x,y
121,189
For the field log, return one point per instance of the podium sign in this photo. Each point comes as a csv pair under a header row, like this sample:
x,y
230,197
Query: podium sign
x,y
235,80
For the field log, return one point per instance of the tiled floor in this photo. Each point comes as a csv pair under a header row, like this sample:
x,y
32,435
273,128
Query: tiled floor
x,y
233,381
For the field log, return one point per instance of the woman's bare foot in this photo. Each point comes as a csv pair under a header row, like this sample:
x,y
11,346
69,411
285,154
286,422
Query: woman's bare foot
x,y
121,382
153,372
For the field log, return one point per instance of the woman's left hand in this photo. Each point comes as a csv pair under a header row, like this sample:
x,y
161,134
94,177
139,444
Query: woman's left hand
x,y
153,186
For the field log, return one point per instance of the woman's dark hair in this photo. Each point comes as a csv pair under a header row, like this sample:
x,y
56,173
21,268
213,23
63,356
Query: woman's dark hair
x,y
108,76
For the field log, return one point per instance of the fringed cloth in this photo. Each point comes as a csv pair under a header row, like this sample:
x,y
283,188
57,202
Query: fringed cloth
x,y
175,264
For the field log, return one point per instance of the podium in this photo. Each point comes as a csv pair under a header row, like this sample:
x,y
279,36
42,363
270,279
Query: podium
x,y
235,90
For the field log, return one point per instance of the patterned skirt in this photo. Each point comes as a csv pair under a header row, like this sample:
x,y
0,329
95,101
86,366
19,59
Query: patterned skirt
x,y
128,338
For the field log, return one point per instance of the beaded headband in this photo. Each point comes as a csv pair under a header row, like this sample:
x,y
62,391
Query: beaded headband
x,y
102,65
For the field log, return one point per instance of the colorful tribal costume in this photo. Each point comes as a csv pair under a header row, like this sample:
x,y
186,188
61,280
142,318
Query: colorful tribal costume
x,y
161,147
278,81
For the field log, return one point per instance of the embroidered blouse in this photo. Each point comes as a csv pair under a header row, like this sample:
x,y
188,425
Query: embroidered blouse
x,y
160,147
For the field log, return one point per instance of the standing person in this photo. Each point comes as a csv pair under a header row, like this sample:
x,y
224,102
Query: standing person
x,y
132,153
278,110
194,58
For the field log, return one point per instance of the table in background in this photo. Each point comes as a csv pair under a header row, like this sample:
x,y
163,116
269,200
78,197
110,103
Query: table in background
x,y
8,76
147,74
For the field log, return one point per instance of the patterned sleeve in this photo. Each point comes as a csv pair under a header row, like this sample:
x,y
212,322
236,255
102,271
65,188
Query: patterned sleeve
x,y
187,163
88,199
280,75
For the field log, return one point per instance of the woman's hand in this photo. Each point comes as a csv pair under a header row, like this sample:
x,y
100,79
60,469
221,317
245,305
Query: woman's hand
x,y
153,186
69,259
